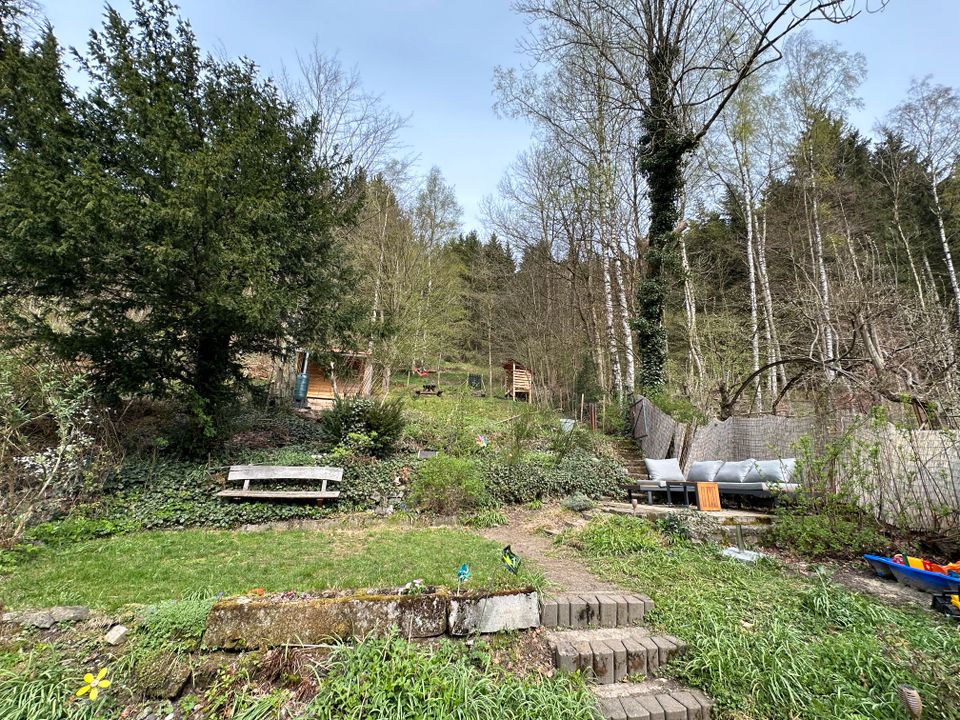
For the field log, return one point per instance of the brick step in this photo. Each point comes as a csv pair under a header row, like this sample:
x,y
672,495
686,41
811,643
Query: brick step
x,y
594,609
649,701
608,655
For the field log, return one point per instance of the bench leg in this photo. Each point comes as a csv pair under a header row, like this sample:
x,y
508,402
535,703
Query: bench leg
x,y
649,497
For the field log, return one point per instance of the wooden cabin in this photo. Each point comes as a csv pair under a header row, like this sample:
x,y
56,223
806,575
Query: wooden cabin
x,y
346,374
519,381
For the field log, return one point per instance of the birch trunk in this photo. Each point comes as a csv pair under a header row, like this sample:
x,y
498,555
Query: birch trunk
x,y
630,377
690,309
752,279
947,256
612,344
777,374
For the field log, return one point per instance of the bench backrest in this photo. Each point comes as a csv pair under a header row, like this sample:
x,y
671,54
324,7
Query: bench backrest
x,y
284,472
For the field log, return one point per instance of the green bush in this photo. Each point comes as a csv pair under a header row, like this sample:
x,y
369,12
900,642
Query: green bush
x,y
530,480
447,485
578,502
379,422
616,536
77,528
836,531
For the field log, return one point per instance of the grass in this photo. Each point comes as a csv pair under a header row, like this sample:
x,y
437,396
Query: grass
x,y
398,680
150,567
768,644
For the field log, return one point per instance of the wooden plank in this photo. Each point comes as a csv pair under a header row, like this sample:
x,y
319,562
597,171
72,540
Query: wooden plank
x,y
279,494
284,472
708,497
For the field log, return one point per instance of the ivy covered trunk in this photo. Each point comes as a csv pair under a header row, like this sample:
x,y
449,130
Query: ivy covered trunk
x,y
663,147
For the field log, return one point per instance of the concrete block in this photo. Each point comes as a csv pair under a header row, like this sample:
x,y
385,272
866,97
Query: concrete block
x,y
651,705
636,657
623,615
563,612
549,614
694,711
493,613
566,658
635,609
603,667
619,659
665,649
593,609
634,709
653,654
672,710
612,709
608,611
578,612
585,657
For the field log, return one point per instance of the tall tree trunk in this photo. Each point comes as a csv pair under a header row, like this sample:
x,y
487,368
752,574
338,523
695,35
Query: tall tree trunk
x,y
630,376
913,266
947,256
690,310
752,280
777,374
662,161
612,344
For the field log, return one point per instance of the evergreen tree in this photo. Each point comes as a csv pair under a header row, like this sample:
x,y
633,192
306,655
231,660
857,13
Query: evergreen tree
x,y
170,219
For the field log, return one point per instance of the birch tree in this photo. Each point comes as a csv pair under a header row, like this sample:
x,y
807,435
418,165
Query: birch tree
x,y
690,56
929,120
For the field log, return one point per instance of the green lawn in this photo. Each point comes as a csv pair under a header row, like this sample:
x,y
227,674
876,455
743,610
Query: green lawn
x,y
149,567
766,643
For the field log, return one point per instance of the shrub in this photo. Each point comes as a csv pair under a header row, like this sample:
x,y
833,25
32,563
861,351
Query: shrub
x,y
530,480
836,532
379,422
616,535
77,528
446,485
578,503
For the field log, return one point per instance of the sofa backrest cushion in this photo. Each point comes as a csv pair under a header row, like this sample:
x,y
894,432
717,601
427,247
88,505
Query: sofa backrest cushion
x,y
663,470
704,471
734,472
772,471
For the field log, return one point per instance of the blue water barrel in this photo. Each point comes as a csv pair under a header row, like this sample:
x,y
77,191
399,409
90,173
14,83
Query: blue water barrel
x,y
300,388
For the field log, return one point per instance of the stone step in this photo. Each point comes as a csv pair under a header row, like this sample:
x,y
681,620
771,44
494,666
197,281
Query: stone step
x,y
594,609
649,701
608,655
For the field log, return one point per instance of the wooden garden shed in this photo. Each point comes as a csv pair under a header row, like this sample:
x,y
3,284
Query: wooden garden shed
x,y
346,374
519,381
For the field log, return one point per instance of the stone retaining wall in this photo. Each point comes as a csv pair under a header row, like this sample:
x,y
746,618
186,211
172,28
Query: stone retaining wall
x,y
254,622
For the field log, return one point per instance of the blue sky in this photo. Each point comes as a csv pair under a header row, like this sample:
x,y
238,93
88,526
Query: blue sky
x,y
434,60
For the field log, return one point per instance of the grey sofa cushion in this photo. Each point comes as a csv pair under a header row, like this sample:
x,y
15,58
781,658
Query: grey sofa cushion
x,y
704,471
734,472
772,471
663,470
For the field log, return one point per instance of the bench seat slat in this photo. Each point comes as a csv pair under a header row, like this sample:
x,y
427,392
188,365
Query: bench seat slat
x,y
279,494
284,472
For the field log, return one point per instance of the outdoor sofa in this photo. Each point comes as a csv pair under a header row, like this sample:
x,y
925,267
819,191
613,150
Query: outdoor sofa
x,y
754,478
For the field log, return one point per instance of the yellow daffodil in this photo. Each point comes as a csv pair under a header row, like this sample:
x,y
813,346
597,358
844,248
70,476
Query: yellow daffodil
x,y
94,684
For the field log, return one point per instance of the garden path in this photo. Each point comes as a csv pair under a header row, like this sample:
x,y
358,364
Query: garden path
x,y
530,534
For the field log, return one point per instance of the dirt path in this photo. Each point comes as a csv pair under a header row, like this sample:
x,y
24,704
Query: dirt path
x,y
530,535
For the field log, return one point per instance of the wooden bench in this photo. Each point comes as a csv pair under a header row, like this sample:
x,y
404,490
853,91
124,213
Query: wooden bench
x,y
279,473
